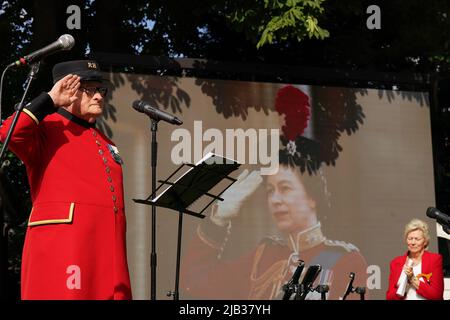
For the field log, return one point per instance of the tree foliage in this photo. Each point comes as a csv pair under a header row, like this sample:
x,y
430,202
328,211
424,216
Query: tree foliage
x,y
275,21
296,32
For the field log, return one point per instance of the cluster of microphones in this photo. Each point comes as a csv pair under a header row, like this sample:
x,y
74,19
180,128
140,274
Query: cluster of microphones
x,y
296,290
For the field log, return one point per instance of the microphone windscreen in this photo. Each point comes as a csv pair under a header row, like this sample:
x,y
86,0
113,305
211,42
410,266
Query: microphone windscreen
x,y
137,105
431,212
67,41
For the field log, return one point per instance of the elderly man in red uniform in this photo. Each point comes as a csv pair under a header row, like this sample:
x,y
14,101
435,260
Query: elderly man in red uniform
x,y
75,243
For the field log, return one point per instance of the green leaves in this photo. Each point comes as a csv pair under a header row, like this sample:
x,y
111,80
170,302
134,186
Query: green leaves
x,y
314,30
272,21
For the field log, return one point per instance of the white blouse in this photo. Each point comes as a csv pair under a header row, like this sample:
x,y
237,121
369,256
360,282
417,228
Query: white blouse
x,y
411,293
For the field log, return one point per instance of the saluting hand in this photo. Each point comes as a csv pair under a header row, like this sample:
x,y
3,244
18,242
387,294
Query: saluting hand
x,y
64,90
246,184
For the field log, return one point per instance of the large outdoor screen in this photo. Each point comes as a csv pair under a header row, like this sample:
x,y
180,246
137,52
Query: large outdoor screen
x,y
328,175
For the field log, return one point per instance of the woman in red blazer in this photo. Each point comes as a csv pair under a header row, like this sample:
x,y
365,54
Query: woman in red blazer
x,y
423,270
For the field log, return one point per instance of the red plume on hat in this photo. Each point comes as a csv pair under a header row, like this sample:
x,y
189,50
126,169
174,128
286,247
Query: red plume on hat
x,y
294,104
331,118
296,150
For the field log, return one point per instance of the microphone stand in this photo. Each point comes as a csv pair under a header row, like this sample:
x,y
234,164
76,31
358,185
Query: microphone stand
x,y
350,288
322,289
361,291
292,286
4,283
3,224
31,76
446,228
301,291
155,117
176,293
154,158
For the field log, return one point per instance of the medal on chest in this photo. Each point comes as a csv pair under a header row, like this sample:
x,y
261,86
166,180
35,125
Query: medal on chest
x,y
115,154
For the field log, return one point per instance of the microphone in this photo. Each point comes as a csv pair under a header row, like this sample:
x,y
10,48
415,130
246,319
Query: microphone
x,y
349,286
290,286
440,217
307,282
65,42
155,113
298,272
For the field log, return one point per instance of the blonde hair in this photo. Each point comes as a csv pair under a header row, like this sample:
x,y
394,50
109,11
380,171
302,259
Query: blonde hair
x,y
416,224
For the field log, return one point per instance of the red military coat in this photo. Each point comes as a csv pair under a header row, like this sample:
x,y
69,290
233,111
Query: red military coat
x,y
75,242
261,273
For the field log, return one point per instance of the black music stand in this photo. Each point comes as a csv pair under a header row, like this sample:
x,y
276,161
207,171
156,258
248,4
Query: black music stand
x,y
196,182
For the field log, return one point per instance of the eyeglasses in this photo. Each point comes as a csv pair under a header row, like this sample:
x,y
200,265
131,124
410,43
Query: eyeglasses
x,y
90,91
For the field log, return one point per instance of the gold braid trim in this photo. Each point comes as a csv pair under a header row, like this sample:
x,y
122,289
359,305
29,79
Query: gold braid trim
x,y
31,115
206,240
269,281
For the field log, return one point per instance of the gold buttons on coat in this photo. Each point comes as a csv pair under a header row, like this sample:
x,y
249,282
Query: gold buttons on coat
x,y
102,154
